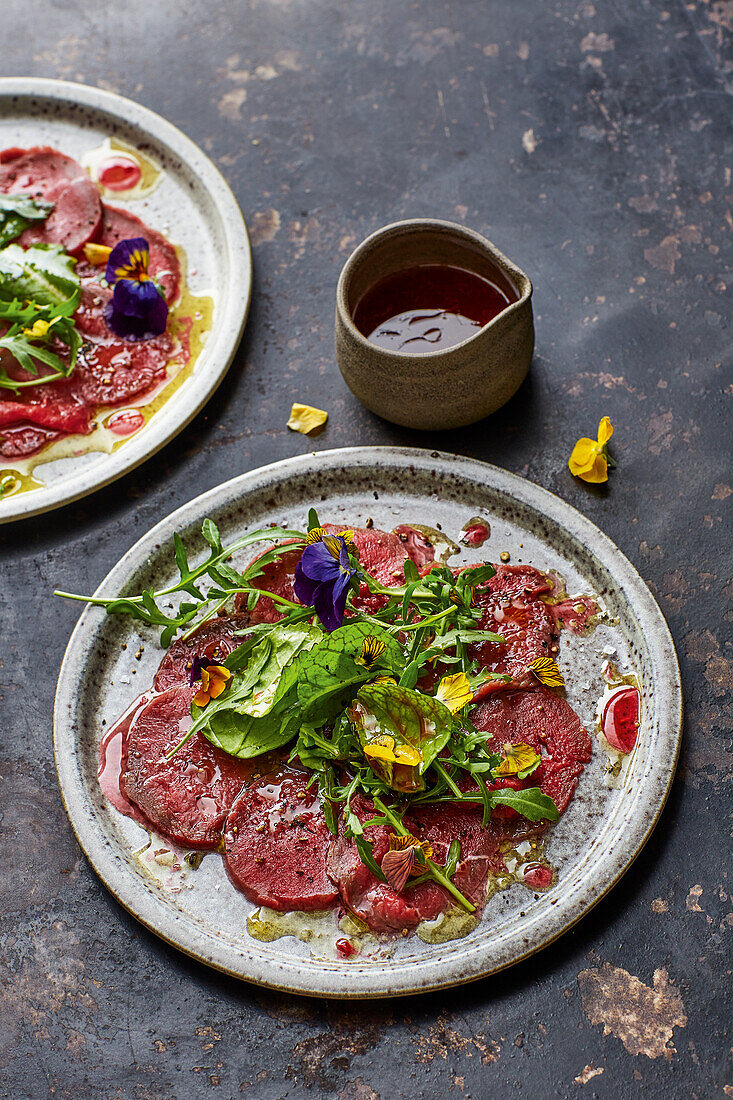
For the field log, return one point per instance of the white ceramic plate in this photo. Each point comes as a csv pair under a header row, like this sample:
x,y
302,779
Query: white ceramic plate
x,y
192,205
593,844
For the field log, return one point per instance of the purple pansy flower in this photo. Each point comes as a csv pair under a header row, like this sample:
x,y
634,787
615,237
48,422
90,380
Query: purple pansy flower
x,y
323,576
138,310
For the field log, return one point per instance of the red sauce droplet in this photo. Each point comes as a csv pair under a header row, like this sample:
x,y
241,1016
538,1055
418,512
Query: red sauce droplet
x,y
119,173
538,876
620,719
475,534
126,422
345,948
430,307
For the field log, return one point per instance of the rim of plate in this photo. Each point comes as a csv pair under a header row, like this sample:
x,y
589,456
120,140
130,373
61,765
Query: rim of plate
x,y
218,353
460,962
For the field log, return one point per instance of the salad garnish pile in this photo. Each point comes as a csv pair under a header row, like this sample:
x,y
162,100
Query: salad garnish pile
x,y
372,699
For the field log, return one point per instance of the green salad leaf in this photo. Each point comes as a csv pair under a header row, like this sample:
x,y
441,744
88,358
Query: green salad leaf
x,y
258,712
532,803
17,212
43,274
385,712
332,672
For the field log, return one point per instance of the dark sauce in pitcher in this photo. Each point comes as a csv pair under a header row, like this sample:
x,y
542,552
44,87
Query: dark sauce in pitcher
x,y
428,308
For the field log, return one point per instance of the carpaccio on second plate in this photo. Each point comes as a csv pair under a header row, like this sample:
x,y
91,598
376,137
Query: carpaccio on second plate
x,y
109,370
270,824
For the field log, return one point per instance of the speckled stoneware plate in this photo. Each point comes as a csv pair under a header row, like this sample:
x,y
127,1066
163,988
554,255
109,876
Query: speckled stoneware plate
x,y
193,206
605,827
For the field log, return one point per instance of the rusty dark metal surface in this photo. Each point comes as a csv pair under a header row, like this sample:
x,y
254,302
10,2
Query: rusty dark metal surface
x,y
586,141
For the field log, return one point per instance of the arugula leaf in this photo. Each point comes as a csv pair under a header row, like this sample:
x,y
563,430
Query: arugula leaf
x,y
532,803
331,673
144,606
43,274
17,212
410,718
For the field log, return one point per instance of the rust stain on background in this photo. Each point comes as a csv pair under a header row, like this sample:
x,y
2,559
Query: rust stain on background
x,y
643,1017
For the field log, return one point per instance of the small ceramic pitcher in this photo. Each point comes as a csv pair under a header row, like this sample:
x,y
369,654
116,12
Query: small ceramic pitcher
x,y
446,388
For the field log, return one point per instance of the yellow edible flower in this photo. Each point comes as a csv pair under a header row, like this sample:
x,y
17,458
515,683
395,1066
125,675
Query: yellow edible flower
x,y
305,419
371,650
38,329
384,748
547,672
517,758
454,692
589,460
97,254
214,679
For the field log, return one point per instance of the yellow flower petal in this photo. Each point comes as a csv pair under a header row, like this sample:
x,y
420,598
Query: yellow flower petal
x,y
584,455
454,692
315,535
605,431
97,254
220,671
39,328
305,419
598,473
379,752
547,672
201,698
406,754
371,650
517,758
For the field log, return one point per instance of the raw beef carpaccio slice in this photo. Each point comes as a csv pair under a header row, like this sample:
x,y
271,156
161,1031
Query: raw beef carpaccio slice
x,y
189,796
511,606
47,174
276,841
551,727
537,718
378,904
214,640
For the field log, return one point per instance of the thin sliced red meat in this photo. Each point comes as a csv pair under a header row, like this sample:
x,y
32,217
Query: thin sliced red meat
x,y
420,549
368,898
119,225
558,779
510,605
537,718
54,405
22,440
382,908
214,640
73,222
519,580
47,174
114,371
189,796
275,577
276,841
